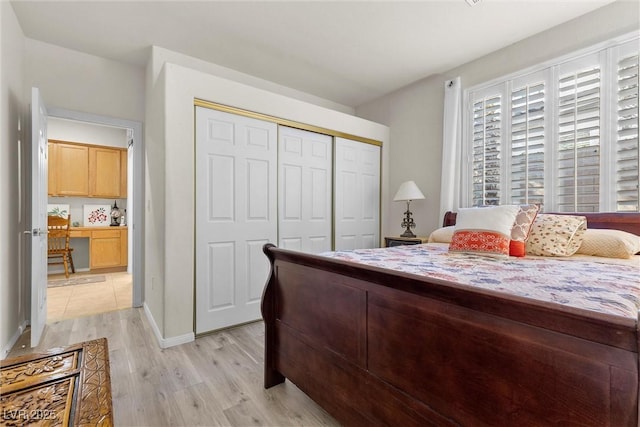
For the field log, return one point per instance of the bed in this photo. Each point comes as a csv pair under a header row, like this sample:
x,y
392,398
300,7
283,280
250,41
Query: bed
x,y
374,346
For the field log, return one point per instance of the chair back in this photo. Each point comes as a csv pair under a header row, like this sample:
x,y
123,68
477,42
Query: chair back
x,y
58,233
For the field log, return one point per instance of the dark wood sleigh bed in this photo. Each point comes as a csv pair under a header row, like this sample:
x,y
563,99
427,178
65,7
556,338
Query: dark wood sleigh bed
x,y
378,347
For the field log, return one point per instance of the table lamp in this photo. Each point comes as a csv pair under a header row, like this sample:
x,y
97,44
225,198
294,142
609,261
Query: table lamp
x,y
408,191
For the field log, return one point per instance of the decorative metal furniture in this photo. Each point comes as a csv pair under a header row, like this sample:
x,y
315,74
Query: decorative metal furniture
x,y
408,191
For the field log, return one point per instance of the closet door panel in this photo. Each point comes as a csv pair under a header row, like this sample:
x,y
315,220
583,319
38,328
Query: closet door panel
x,y
304,190
236,214
357,195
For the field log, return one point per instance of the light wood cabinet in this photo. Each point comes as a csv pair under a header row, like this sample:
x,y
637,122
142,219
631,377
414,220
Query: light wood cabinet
x,y
108,248
68,170
104,172
83,170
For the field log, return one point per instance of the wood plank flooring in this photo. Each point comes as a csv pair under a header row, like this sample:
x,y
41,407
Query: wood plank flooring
x,y
214,381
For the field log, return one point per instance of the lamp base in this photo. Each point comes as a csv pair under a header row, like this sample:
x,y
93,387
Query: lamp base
x,y
408,223
407,233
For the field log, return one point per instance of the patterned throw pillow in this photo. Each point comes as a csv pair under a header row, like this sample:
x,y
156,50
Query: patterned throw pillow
x,y
521,229
609,243
485,231
556,235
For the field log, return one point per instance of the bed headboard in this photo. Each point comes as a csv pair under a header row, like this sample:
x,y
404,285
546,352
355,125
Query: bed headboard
x,y
625,221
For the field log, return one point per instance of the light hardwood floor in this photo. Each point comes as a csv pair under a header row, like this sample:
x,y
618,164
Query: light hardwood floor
x,y
214,381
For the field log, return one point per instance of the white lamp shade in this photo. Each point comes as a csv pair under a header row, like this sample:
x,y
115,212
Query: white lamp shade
x,y
408,191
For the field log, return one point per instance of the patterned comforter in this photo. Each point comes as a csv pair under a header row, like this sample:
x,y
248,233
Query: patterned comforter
x,y
589,283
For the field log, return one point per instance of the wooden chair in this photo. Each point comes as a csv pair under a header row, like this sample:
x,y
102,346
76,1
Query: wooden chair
x,y
58,243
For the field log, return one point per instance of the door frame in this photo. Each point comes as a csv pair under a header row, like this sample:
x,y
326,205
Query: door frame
x,y
136,228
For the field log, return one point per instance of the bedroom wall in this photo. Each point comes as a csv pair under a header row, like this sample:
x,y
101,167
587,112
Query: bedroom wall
x,y
77,81
161,55
154,215
415,112
182,85
12,111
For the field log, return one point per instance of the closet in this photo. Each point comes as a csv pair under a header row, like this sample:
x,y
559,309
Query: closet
x,y
357,195
305,161
257,182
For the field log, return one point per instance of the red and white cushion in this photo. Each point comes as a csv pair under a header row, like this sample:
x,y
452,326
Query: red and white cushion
x,y
485,231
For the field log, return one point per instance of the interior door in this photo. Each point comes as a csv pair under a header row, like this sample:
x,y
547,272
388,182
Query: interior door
x,y
236,214
304,190
357,195
38,231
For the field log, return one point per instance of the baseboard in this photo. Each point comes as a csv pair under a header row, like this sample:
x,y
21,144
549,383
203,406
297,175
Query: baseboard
x,y
166,342
14,339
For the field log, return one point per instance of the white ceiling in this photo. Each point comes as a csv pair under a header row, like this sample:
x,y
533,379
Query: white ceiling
x,y
349,52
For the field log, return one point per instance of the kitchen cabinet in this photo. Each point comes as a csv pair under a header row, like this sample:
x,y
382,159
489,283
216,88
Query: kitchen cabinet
x,y
83,170
68,170
108,248
105,173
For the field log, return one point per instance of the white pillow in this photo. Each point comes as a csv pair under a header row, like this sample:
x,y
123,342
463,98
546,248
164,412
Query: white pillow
x,y
485,231
442,235
609,243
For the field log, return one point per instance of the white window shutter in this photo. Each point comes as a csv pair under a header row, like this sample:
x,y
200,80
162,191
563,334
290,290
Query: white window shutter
x,y
486,148
578,133
627,182
526,181
565,134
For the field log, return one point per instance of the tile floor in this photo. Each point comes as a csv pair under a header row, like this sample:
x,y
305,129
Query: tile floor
x,y
71,301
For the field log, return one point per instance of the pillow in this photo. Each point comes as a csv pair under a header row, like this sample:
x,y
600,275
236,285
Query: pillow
x,y
556,235
609,243
442,235
485,231
521,229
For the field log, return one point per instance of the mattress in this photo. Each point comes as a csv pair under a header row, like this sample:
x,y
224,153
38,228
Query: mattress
x,y
603,285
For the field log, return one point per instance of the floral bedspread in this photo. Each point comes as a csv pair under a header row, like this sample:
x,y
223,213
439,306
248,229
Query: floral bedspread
x,y
584,284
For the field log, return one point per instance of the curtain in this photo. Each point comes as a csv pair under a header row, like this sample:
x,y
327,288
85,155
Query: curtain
x,y
451,146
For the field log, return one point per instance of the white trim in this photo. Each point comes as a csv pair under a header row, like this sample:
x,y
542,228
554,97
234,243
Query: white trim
x,y
166,342
14,339
135,224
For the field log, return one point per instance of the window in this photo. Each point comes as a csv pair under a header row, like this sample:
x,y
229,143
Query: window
x,y
564,136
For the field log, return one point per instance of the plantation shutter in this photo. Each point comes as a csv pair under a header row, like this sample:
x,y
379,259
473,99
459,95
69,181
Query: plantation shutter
x,y
564,136
486,140
578,130
627,185
527,142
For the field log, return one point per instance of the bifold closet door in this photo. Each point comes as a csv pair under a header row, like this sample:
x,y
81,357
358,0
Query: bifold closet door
x,y
236,214
357,195
304,190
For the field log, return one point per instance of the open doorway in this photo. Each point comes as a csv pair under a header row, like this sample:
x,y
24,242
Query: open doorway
x,y
93,288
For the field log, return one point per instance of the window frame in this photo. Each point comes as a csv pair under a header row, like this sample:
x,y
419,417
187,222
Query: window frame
x,y
607,54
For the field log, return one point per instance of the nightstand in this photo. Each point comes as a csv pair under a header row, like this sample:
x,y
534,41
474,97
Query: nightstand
x,y
397,241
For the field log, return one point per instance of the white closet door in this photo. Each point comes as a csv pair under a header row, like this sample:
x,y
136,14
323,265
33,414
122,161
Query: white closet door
x,y
357,195
304,190
236,214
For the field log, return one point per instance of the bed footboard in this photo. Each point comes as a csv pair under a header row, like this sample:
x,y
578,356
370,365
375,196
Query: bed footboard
x,y
376,347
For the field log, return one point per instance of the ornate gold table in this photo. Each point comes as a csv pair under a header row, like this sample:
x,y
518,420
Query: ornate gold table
x,y
63,387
